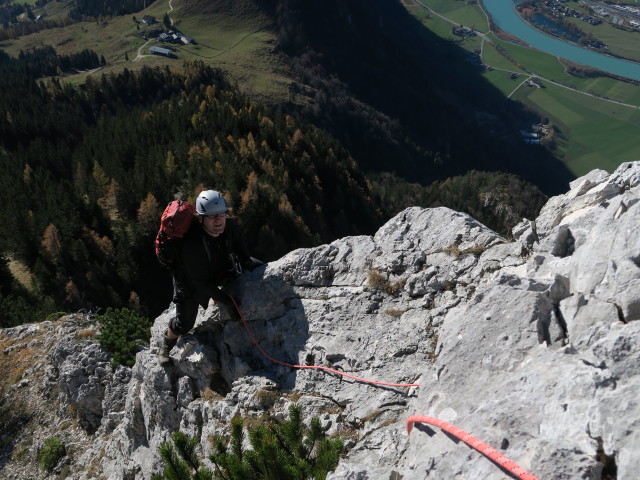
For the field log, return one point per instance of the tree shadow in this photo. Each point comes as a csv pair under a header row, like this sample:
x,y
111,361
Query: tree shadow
x,y
427,94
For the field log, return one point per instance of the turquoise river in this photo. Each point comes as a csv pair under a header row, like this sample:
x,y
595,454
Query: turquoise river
x,y
504,16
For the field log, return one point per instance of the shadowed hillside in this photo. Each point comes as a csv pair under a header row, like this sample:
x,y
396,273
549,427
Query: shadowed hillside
x,y
402,99
398,97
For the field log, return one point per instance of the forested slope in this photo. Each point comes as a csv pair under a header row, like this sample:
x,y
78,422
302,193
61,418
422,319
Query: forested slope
x,y
87,170
86,173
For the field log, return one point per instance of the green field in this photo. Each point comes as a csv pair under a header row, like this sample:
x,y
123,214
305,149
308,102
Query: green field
x,y
620,42
238,46
460,12
589,132
443,29
235,43
550,67
501,81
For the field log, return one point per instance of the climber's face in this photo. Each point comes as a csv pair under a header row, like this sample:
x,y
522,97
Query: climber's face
x,y
214,224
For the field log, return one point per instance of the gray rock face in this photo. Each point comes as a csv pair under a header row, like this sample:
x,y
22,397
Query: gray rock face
x,y
544,358
530,345
83,370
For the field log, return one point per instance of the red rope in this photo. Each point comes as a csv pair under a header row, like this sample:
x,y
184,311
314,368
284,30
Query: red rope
x,y
317,367
472,441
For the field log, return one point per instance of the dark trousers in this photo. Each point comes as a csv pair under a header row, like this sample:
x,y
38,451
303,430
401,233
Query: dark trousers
x,y
187,303
186,313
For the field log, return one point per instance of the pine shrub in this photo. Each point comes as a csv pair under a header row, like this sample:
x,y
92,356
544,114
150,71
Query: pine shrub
x,y
123,332
279,451
50,454
284,451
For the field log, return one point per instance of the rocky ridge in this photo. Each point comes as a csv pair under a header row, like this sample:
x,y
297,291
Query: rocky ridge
x,y
530,345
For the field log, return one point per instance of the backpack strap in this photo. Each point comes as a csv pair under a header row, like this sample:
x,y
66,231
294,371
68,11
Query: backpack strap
x,y
206,247
235,261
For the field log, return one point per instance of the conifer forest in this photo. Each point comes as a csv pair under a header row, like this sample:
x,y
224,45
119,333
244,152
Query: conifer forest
x,y
87,171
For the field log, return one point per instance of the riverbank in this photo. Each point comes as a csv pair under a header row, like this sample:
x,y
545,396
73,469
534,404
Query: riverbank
x,y
595,118
544,18
504,16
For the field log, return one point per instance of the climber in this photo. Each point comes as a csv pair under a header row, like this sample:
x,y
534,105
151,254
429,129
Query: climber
x,y
212,255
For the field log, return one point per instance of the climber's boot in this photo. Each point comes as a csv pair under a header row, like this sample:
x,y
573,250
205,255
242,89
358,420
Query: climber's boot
x,y
165,349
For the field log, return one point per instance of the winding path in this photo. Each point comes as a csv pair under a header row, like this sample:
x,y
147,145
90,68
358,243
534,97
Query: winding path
x,y
140,55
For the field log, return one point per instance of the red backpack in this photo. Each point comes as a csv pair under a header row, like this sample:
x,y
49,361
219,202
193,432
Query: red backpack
x,y
174,225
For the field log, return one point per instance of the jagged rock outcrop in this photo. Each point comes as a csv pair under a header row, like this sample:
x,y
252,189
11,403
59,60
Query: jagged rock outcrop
x,y
530,345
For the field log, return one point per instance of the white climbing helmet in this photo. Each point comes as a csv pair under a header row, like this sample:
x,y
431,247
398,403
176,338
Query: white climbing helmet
x,y
210,202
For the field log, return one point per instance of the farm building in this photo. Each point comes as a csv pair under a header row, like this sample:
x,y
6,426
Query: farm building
x,y
529,134
161,51
175,37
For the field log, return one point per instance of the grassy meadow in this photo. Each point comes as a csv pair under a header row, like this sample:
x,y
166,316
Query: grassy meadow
x,y
234,42
589,132
550,67
243,47
460,12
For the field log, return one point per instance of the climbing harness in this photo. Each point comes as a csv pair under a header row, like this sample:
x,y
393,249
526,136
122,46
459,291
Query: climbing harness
x,y
470,440
317,367
473,442
236,266
235,261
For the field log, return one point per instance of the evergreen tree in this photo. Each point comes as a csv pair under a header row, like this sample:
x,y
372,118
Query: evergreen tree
x,y
279,451
85,171
122,332
286,451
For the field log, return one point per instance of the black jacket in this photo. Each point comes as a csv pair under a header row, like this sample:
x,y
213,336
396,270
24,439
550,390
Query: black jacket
x,y
207,262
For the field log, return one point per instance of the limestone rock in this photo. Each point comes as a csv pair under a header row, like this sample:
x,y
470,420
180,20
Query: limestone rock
x,y
530,345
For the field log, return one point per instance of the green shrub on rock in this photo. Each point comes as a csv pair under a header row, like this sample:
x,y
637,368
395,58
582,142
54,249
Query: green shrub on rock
x,y
51,452
279,451
123,332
